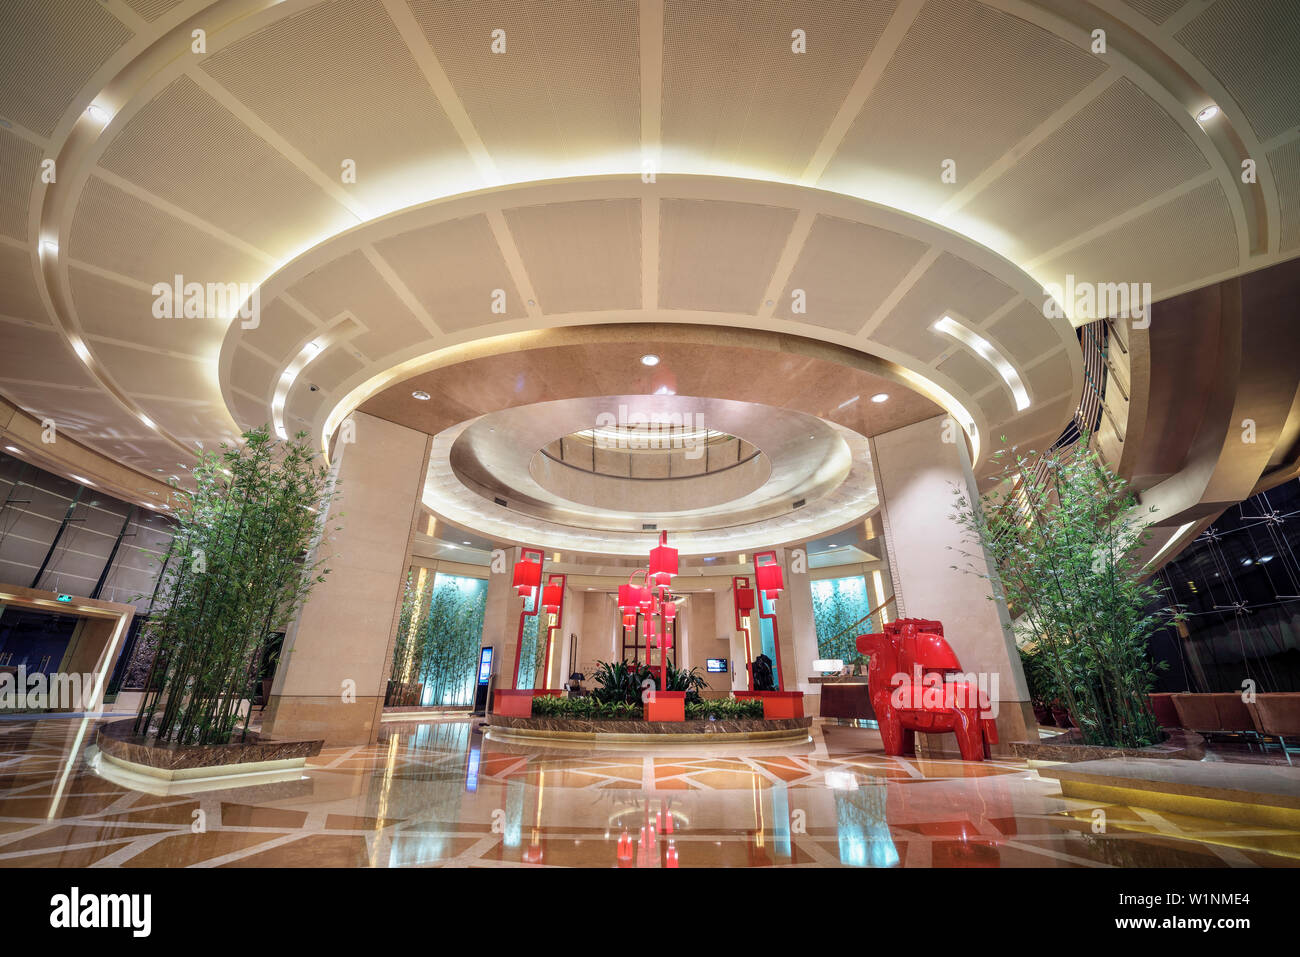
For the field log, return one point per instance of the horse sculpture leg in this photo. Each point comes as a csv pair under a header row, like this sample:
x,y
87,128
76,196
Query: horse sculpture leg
x,y
970,734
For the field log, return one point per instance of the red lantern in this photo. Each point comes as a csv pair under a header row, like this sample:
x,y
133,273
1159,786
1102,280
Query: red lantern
x,y
770,581
528,575
663,562
644,599
629,620
669,610
552,597
744,600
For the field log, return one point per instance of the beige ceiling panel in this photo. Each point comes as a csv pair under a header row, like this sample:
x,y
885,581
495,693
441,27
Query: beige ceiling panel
x,y
567,89
968,371
1284,163
48,52
251,373
329,369
1157,11
81,413
1252,47
148,373
1174,244
248,412
318,78
151,10
583,256
118,232
39,355
967,83
950,285
734,93
353,285
1025,333
303,405
846,271
19,296
20,166
718,256
118,311
279,329
1047,378
454,269
997,406
222,172
1050,194
191,420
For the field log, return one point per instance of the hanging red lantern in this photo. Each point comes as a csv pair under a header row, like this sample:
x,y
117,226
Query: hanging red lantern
x,y
770,581
552,598
744,600
663,562
644,599
629,620
669,610
528,575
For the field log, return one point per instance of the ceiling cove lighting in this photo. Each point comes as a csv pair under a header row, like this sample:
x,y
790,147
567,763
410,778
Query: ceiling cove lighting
x,y
305,355
985,350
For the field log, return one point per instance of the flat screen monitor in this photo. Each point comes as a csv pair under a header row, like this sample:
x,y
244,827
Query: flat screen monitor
x,y
484,664
716,665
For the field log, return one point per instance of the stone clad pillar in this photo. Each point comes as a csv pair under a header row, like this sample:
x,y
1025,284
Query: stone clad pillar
x,y
803,634
916,472
344,633
501,618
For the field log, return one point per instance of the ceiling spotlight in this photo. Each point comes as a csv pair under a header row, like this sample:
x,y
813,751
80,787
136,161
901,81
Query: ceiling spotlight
x,y
464,543
98,114
421,395
146,420
50,246
1207,114
880,397
80,349
650,360
10,448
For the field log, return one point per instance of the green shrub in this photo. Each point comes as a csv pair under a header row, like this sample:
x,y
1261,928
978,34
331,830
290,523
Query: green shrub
x,y
724,708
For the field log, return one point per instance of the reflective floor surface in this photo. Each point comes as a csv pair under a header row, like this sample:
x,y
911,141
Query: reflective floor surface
x,y
438,793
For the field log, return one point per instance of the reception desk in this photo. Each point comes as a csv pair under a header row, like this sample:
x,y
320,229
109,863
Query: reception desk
x,y
845,696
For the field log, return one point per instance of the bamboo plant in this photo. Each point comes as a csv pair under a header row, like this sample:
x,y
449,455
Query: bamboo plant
x,y
237,575
1064,535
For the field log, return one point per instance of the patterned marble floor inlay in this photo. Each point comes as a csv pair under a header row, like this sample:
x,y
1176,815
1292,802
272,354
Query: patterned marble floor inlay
x,y
439,793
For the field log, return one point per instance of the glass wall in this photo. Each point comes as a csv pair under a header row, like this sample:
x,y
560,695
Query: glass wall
x,y
436,652
837,604
1239,585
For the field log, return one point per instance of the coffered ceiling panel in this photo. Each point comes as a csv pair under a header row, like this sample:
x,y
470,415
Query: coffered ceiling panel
x,y
717,257
254,375
222,172
19,296
151,10
112,310
1284,164
936,99
1251,46
967,370
1046,378
567,87
1187,237
279,330
736,95
47,53
117,231
846,271
312,77
20,163
950,285
1021,335
454,270
1098,145
169,376
40,357
582,256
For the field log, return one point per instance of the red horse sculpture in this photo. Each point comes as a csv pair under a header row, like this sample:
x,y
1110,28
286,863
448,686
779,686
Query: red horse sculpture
x,y
909,693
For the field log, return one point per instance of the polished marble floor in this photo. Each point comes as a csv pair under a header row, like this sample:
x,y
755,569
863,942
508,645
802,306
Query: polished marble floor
x,y
439,793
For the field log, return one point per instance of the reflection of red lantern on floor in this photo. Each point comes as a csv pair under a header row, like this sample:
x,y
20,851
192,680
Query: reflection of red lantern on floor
x,y
533,854
670,856
625,849
528,575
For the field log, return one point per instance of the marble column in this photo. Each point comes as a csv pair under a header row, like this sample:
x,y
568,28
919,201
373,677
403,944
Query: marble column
x,y
333,669
501,617
916,471
798,598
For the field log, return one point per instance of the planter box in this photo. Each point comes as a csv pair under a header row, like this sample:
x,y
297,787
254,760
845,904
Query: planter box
x,y
666,706
519,703
776,704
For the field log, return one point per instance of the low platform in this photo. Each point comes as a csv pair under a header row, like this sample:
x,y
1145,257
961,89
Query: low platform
x,y
1261,794
632,731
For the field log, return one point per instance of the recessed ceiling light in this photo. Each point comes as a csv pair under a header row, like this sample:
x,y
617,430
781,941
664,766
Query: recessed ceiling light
x,y
464,543
147,421
80,349
880,397
49,246
10,448
1207,114
98,113
650,360
421,395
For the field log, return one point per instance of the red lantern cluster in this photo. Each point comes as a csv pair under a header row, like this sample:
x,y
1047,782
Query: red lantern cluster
x,y
651,599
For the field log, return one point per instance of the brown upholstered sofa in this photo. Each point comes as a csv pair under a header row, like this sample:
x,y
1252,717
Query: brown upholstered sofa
x,y
1277,715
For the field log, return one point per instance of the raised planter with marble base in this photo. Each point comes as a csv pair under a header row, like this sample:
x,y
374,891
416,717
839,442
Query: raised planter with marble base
x,y
632,731
139,762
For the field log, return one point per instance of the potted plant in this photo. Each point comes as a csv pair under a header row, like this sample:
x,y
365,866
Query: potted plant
x,y
1058,538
